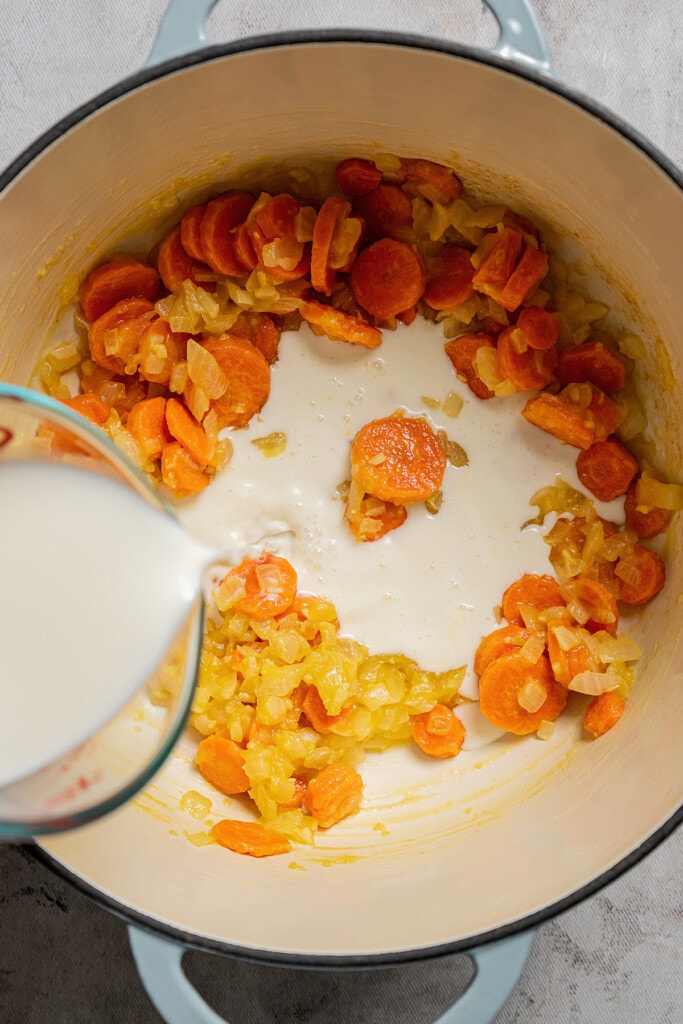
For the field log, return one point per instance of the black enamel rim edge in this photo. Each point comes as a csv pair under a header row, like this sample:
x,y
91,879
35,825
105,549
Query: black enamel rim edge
x,y
130,84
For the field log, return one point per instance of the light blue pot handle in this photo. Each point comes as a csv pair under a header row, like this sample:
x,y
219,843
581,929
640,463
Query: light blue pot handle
x,y
159,964
182,31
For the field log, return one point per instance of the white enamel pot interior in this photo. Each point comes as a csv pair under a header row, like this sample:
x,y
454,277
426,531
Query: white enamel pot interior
x,y
496,843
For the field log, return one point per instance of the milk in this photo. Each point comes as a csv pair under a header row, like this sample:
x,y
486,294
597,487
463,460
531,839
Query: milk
x,y
94,586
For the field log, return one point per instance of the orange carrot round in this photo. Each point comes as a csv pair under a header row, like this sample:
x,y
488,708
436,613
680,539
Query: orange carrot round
x,y
340,326
387,210
175,266
603,713
435,181
591,363
357,177
500,641
598,602
190,232
529,272
158,334
138,310
642,574
244,248
539,592
606,469
462,352
539,328
645,524
250,837
567,422
504,681
248,376
387,277
528,370
261,330
221,762
122,278
91,406
147,423
450,278
269,586
184,428
276,218
567,664
221,216
389,519
181,472
438,732
398,459
317,715
499,251
334,793
331,214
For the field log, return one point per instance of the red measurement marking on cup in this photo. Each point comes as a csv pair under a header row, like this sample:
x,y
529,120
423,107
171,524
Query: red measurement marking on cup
x,y
5,435
83,782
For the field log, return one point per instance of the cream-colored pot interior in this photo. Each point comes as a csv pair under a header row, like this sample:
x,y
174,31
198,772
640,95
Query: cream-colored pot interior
x,y
464,848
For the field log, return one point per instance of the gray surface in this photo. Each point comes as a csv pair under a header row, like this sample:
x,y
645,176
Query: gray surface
x,y
615,959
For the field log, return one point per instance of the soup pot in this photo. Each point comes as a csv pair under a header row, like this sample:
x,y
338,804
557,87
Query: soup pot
x,y
545,828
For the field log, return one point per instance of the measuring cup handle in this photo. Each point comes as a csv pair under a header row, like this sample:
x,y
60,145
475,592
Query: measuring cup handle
x,y
159,964
182,31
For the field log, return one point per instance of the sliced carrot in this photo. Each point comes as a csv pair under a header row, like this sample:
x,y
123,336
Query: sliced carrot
x,y
331,214
450,278
297,799
250,837
122,278
527,275
462,352
438,732
606,469
184,428
434,181
567,664
498,263
221,217
190,232
603,713
244,249
538,328
261,330
645,523
147,423
221,762
160,350
248,376
642,574
591,363
564,420
387,277
528,370
597,602
334,793
398,459
317,715
175,266
340,326
357,177
269,586
277,217
370,527
181,472
128,344
91,406
504,681
387,211
500,641
538,592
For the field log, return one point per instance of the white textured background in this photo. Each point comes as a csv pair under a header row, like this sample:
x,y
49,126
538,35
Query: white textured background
x,y
615,959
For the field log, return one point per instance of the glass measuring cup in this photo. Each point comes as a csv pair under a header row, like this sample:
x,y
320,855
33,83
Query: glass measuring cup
x,y
70,787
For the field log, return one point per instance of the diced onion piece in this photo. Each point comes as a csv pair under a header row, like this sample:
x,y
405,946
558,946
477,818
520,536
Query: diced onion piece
x,y
285,253
204,371
373,506
197,402
559,611
304,222
271,445
178,378
653,493
632,345
452,404
353,502
224,452
344,241
486,368
269,578
64,356
531,616
434,502
230,591
368,526
545,730
112,342
112,392
594,683
609,648
533,648
532,696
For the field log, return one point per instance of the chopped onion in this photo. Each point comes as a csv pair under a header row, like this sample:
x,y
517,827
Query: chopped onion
x,y
532,650
284,253
653,493
545,730
204,371
344,241
594,683
609,648
452,404
269,578
532,696
178,378
231,590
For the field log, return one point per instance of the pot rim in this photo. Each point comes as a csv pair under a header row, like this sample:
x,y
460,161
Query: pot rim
x,y
409,41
